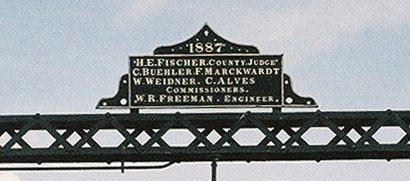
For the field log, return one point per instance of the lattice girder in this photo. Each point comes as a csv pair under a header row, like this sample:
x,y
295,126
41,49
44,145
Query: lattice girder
x,y
202,148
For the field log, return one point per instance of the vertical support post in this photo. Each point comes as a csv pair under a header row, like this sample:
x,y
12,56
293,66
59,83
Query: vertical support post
x,y
213,166
122,166
135,111
276,110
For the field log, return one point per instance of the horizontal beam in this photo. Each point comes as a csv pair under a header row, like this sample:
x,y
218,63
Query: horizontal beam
x,y
226,147
201,120
110,155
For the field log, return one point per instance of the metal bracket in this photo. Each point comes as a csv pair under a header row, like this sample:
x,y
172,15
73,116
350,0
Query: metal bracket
x,y
291,99
120,100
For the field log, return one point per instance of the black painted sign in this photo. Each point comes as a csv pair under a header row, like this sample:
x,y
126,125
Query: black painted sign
x,y
195,81
206,70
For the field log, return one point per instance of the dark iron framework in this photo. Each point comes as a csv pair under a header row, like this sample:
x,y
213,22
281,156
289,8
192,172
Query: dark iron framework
x,y
226,148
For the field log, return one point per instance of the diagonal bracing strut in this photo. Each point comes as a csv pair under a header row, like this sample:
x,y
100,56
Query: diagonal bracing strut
x,y
202,148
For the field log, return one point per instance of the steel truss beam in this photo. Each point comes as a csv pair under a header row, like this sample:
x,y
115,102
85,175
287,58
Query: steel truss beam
x,y
341,146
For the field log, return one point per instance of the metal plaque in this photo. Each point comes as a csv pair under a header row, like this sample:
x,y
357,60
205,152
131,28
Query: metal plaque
x,y
197,81
205,70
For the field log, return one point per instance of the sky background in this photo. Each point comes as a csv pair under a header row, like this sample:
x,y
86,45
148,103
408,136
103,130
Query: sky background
x,y
62,57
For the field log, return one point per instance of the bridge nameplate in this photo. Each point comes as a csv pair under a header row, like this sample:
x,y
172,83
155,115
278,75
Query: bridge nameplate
x,y
206,70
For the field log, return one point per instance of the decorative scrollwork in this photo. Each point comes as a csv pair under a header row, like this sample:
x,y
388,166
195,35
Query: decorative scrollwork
x,y
206,41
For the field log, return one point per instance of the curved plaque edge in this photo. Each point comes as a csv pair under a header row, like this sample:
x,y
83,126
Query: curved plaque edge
x,y
291,99
120,100
235,48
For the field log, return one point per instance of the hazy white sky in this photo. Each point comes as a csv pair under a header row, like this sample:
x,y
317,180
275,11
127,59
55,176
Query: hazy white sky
x,y
62,57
